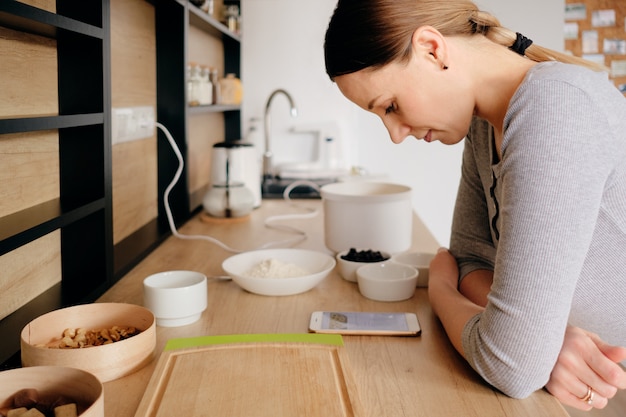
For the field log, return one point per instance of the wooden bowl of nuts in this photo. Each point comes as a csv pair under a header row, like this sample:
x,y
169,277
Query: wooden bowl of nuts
x,y
51,390
110,340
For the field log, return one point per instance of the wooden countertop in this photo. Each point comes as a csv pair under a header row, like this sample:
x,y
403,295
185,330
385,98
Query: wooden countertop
x,y
395,376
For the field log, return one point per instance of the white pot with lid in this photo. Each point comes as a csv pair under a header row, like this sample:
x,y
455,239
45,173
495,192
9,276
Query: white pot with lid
x,y
364,214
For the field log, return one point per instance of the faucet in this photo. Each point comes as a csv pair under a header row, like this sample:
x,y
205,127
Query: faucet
x,y
267,155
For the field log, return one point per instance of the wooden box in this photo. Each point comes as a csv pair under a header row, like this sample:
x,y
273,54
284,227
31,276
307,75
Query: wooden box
x,y
107,362
75,385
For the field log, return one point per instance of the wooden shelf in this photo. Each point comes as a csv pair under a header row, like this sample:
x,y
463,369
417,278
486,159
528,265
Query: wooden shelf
x,y
218,108
209,24
22,17
31,124
27,225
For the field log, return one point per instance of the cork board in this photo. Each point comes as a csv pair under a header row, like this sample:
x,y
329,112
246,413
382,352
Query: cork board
x,y
596,29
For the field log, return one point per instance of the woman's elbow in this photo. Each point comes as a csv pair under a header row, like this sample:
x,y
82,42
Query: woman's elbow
x,y
520,385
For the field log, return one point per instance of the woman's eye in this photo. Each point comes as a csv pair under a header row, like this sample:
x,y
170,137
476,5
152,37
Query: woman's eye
x,y
390,108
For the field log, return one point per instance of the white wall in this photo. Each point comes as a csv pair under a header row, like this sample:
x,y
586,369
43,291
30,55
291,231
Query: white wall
x,y
282,47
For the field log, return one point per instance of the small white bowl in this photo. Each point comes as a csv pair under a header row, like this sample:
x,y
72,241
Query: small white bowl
x,y
317,264
387,281
347,269
176,298
419,261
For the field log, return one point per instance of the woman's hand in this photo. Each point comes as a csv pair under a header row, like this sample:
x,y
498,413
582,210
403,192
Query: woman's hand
x,y
587,362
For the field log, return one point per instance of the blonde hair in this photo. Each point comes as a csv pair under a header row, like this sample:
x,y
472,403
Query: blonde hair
x,y
372,33
506,37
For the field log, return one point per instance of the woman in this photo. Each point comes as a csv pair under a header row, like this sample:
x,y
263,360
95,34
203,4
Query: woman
x,y
539,231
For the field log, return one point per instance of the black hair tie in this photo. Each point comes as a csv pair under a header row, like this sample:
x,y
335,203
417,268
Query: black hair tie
x,y
521,44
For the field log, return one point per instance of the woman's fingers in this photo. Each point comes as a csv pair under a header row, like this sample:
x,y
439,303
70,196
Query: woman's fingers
x,y
569,399
585,375
611,371
570,390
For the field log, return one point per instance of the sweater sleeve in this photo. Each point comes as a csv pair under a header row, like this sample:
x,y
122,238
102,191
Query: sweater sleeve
x,y
552,178
470,241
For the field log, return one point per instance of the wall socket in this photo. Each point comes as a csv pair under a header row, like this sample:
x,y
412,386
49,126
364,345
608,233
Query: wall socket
x,y
132,123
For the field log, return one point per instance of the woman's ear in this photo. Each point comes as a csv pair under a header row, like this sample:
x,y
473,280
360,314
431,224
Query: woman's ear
x,y
428,43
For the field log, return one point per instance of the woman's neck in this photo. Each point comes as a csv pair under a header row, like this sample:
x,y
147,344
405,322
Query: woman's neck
x,y
498,74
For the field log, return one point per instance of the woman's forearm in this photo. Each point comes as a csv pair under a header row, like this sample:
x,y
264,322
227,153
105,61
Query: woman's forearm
x,y
582,354
453,308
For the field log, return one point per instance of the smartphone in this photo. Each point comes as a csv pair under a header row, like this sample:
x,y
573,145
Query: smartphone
x,y
362,323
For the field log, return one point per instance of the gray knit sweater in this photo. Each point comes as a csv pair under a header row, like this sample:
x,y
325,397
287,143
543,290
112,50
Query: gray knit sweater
x,y
549,219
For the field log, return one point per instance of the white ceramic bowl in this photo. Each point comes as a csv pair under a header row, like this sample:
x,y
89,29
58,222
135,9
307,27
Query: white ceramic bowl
x,y
176,298
347,269
75,385
364,214
387,281
419,261
317,264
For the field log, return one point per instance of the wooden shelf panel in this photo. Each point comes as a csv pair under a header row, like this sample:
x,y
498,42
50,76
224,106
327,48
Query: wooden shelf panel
x,y
23,17
209,24
27,225
31,124
13,324
216,108
130,251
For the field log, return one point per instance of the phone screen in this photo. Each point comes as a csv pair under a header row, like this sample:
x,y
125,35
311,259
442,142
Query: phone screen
x,y
364,321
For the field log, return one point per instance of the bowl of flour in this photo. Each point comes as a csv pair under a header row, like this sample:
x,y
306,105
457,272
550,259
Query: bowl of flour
x,y
277,272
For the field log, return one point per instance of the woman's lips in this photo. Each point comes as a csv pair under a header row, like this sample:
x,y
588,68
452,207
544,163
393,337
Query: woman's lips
x,y
429,136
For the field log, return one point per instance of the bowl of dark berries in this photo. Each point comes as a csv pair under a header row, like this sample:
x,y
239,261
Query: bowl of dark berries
x,y
350,260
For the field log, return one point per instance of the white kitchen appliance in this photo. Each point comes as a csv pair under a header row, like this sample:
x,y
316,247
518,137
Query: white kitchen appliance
x,y
244,166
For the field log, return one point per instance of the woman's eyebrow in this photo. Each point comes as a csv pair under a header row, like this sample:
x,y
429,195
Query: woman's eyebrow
x,y
370,105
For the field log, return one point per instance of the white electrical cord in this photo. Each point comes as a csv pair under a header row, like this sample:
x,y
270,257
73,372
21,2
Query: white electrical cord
x,y
301,235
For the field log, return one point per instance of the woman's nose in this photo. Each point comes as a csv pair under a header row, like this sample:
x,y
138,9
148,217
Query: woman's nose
x,y
397,131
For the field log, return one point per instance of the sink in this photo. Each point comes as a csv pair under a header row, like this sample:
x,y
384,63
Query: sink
x,y
273,188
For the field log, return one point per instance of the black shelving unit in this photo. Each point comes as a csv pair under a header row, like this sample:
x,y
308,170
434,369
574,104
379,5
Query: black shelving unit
x,y
83,211
173,19
90,262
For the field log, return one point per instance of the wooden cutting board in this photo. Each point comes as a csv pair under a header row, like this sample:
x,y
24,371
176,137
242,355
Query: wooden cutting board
x,y
252,375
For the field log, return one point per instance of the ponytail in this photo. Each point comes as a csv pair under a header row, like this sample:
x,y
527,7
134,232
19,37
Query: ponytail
x,y
489,26
372,33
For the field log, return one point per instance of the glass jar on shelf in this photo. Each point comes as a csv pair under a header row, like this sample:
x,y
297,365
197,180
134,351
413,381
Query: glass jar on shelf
x,y
193,84
231,90
232,18
208,7
215,84
206,87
